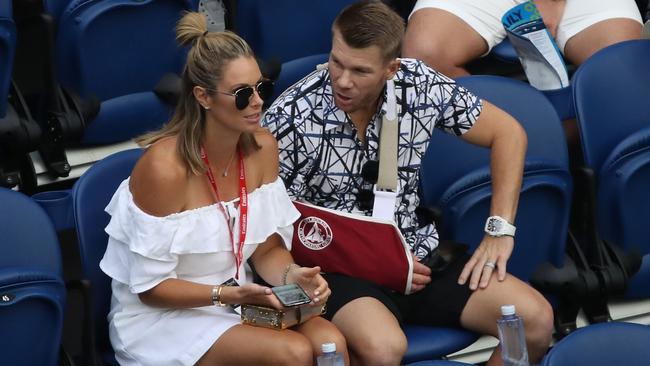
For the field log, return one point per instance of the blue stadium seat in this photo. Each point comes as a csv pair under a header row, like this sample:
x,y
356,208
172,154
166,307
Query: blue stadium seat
x,y
118,51
431,343
32,291
611,92
7,50
287,29
604,344
91,194
459,185
294,70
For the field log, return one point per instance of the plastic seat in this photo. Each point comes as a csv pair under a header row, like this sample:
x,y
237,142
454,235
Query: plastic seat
x,y
431,343
287,29
32,291
603,344
7,51
610,92
294,70
118,51
456,178
91,194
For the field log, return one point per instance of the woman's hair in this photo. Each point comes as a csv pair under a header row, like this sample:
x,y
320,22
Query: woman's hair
x,y
208,55
371,23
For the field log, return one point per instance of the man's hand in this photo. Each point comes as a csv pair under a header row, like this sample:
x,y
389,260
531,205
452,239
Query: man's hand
x,y
552,12
421,275
493,253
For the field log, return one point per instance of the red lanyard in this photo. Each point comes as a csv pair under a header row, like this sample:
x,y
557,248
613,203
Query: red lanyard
x,y
243,207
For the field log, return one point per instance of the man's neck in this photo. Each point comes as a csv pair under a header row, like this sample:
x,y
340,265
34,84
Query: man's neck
x,y
361,119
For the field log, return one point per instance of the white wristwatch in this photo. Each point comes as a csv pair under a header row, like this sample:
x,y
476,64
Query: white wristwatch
x,y
498,226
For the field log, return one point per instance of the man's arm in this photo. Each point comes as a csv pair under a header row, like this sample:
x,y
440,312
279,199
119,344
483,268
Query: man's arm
x,y
497,130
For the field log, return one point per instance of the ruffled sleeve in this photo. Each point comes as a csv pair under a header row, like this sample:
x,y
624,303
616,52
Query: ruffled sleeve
x,y
271,211
144,250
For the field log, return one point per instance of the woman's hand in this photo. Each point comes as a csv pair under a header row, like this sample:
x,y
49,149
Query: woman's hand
x,y
252,293
311,281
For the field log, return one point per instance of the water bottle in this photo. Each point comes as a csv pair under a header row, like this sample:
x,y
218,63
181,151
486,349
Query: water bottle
x,y
330,357
511,335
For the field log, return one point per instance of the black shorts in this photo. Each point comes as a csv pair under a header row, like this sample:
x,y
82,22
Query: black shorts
x,y
440,303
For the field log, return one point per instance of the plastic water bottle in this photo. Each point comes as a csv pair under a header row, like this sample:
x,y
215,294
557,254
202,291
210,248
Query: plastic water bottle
x,y
330,357
511,335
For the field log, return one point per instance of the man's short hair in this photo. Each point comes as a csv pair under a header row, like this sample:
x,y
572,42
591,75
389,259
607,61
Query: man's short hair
x,y
371,23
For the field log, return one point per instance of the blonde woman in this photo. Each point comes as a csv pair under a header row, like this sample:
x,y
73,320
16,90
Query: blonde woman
x,y
204,200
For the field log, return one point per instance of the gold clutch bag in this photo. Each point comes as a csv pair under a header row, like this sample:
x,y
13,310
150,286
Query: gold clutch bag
x,y
262,316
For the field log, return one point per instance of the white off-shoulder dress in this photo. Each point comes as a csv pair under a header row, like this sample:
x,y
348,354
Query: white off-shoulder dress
x,y
193,245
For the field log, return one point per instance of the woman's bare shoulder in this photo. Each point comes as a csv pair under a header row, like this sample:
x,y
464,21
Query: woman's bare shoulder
x,y
159,180
267,155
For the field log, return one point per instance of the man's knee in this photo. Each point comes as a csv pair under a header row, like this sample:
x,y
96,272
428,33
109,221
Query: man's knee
x,y
538,321
296,351
382,349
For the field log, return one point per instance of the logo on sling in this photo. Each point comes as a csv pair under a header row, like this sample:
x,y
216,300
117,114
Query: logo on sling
x,y
314,233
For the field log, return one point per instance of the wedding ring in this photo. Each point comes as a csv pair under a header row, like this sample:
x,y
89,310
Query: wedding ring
x,y
490,264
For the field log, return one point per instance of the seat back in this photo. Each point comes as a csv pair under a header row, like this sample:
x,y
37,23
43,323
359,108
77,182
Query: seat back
x,y
456,178
610,92
287,29
32,292
603,344
118,51
91,194
7,51
294,70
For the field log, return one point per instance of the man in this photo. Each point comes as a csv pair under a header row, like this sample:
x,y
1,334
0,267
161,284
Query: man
x,y
327,126
448,34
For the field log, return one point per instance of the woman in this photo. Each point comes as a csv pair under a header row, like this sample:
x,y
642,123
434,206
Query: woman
x,y
203,200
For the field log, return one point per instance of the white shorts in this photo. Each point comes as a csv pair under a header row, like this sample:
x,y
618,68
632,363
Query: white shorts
x,y
484,16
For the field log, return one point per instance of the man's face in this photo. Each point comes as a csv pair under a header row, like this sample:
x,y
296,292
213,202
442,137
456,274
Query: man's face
x,y
358,74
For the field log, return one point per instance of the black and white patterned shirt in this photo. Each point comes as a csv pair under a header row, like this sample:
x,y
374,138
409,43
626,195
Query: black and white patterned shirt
x,y
321,156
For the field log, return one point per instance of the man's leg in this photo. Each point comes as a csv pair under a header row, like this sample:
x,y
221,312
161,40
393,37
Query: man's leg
x,y
443,41
600,35
483,309
372,333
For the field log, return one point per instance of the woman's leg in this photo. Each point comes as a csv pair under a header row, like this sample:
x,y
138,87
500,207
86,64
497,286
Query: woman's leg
x,y
247,345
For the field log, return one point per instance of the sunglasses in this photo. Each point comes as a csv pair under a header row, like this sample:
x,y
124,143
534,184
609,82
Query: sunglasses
x,y
243,95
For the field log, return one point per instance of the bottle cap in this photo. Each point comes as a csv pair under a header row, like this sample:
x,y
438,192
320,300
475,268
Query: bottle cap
x,y
508,310
328,347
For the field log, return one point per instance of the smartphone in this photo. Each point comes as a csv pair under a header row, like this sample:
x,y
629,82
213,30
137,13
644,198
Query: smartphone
x,y
291,295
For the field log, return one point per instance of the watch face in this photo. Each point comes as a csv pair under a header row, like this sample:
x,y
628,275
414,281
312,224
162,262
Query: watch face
x,y
494,226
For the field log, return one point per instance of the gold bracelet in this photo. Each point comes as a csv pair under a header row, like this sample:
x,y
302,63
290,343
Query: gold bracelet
x,y
286,272
216,296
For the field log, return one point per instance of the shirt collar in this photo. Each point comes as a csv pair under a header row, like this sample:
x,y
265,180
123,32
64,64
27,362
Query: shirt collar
x,y
330,114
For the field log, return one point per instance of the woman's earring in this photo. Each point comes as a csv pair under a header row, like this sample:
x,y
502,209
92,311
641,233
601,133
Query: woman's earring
x,y
206,108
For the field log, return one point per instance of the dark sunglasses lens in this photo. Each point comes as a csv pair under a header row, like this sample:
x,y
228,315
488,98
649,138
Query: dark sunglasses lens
x,y
243,96
265,89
